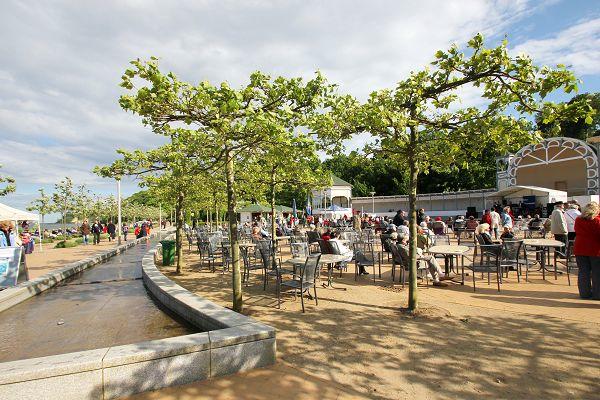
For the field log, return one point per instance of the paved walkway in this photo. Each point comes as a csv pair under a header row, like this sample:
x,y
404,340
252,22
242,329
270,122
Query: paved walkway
x,y
106,305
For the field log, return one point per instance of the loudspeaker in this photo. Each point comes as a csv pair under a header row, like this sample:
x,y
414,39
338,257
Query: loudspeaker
x,y
472,211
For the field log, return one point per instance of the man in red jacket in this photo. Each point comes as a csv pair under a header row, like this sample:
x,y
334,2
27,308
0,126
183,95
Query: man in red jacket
x,y
587,251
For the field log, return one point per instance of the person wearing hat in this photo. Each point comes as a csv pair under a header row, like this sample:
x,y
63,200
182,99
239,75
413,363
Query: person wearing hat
x,y
558,222
570,216
439,227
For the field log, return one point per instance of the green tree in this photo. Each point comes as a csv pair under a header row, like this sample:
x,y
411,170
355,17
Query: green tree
x,y
421,124
10,184
227,122
578,128
43,204
63,201
82,200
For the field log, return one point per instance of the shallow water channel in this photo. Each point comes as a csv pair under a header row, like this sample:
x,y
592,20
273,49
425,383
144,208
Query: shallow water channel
x,y
106,305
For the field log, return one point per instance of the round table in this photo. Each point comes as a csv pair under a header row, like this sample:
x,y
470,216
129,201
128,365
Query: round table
x,y
452,251
545,245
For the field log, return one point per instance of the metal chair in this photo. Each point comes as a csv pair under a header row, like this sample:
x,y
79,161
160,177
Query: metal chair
x,y
365,256
396,260
490,255
249,265
303,281
510,257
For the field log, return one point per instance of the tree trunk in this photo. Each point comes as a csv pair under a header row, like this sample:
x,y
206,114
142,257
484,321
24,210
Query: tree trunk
x,y
413,303
179,235
233,233
273,226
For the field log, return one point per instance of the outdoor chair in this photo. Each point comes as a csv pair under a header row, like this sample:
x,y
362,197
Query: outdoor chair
x,y
190,240
312,237
271,265
226,255
396,261
212,254
384,245
250,264
342,265
511,257
489,261
565,255
299,251
303,281
365,256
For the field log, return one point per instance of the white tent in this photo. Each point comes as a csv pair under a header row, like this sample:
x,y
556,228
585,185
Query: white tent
x,y
14,214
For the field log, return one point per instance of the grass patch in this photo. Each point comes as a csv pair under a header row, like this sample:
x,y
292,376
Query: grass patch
x,y
66,244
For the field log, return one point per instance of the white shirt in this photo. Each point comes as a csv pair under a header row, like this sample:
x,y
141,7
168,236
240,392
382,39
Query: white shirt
x,y
495,219
403,230
571,215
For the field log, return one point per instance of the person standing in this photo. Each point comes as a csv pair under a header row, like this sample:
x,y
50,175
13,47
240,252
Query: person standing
x,y
125,230
495,224
570,216
97,231
587,251
85,232
505,218
558,222
112,231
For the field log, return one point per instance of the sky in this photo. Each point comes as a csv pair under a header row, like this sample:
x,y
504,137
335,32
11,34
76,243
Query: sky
x,y
61,61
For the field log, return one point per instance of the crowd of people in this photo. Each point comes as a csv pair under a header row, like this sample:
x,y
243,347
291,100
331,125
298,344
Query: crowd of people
x,y
97,229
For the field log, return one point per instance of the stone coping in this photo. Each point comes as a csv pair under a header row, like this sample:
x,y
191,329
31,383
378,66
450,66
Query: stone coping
x,y
15,295
232,343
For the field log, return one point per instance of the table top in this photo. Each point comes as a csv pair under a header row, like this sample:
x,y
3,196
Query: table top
x,y
543,242
448,249
282,237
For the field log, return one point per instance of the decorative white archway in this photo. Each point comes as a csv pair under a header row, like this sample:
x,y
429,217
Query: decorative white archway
x,y
553,150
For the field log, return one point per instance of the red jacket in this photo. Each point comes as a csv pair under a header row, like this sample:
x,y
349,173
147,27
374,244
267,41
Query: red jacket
x,y
486,219
587,239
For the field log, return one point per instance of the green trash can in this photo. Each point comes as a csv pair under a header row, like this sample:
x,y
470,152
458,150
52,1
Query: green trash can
x,y
168,251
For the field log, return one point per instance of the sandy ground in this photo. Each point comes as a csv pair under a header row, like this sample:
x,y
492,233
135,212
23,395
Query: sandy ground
x,y
533,340
41,262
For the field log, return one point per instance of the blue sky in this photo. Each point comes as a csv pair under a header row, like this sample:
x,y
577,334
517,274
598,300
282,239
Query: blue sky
x,y
60,62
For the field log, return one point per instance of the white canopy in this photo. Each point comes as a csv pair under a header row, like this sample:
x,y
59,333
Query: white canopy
x,y
13,214
513,192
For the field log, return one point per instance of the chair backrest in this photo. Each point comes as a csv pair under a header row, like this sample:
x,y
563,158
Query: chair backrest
x,y
363,252
334,247
395,252
265,251
438,228
384,242
511,249
299,249
325,246
310,268
312,236
441,240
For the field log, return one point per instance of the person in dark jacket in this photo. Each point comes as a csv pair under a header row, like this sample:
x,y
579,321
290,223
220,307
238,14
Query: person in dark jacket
x,y
112,231
97,231
399,218
587,251
85,232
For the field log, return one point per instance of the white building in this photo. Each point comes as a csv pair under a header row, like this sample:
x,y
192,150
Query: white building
x,y
333,201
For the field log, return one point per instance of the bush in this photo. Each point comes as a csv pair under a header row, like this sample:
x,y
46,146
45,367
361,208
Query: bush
x,y
47,240
66,244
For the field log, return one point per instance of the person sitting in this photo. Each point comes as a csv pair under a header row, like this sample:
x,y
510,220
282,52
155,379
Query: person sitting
x,y
439,227
403,229
391,228
436,272
472,223
483,230
423,240
326,235
507,233
343,250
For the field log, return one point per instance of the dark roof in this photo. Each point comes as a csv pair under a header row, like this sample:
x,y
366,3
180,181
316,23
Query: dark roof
x,y
339,181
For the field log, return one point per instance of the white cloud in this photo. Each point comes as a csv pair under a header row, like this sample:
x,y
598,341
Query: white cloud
x,y
577,46
60,63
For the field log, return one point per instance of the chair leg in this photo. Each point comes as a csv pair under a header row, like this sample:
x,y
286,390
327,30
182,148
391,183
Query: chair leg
x,y
302,298
316,298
